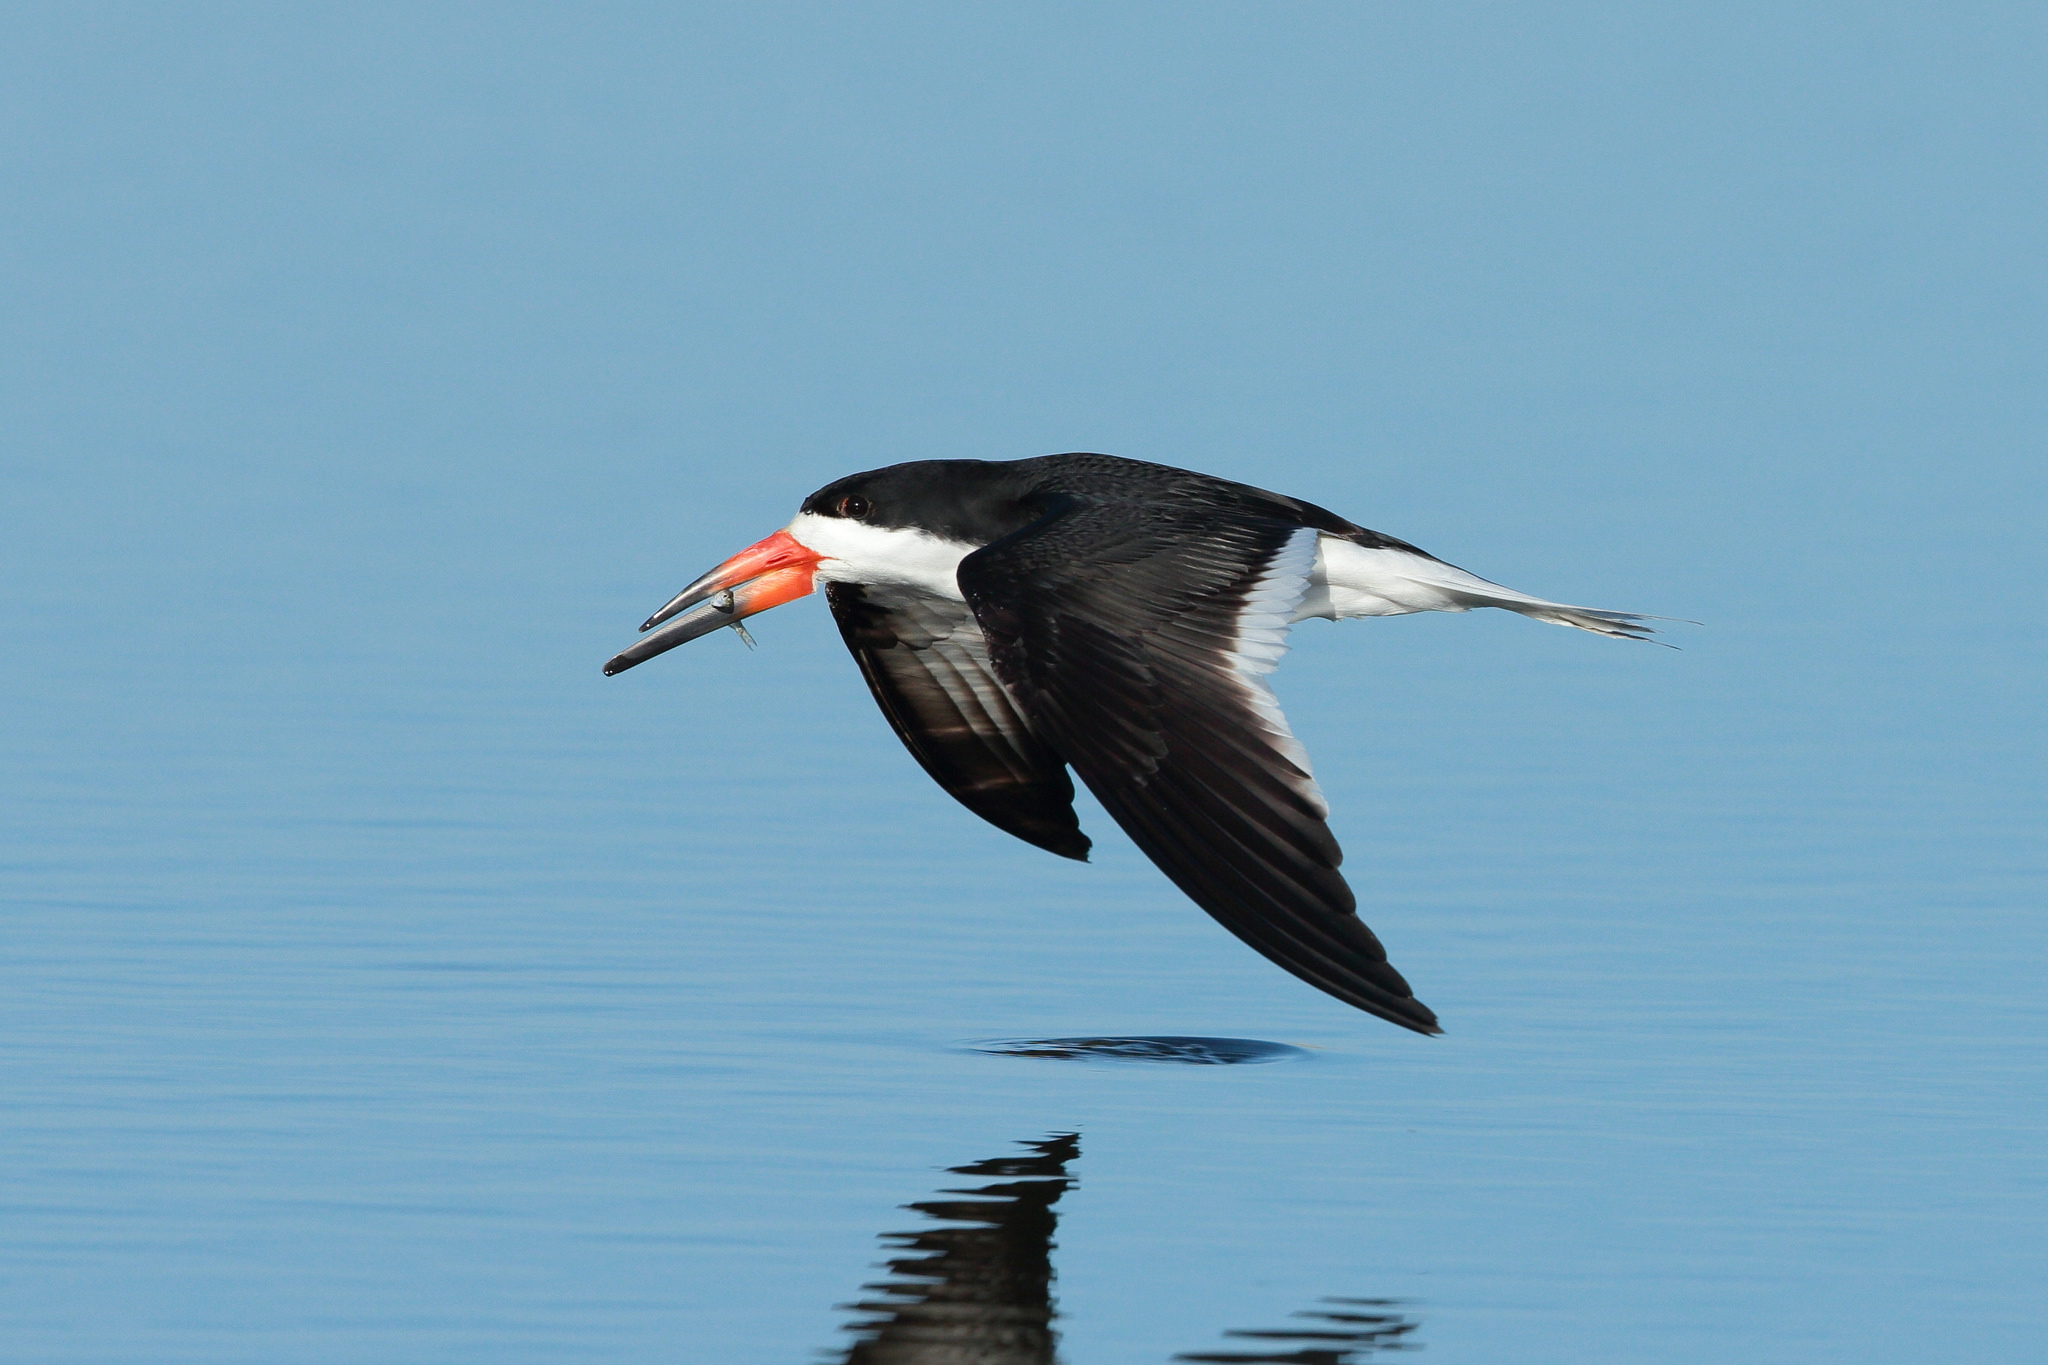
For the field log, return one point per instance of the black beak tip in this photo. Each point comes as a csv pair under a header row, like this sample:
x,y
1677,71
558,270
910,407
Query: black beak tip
x,y
647,625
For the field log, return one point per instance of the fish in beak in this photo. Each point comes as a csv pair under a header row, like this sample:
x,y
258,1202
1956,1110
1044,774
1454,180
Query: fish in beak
x,y
766,574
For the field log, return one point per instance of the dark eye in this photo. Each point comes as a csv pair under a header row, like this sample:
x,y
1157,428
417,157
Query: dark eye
x,y
854,506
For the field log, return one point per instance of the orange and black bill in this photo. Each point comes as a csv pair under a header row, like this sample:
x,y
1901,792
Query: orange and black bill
x,y
765,574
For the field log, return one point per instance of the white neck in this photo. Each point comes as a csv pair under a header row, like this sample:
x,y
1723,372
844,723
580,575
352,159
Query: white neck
x,y
855,552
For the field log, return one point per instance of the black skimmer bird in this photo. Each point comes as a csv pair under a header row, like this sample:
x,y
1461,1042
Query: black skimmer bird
x,y
1015,619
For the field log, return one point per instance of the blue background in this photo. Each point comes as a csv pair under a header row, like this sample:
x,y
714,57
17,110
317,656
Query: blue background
x,y
381,983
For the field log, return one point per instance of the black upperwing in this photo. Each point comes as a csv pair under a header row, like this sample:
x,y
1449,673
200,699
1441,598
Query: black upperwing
x,y
1135,636
927,665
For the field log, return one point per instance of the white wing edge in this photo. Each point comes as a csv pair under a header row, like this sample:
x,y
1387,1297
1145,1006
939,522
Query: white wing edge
x,y
1270,609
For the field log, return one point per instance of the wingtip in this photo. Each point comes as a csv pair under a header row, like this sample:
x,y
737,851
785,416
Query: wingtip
x,y
1418,1017
1067,843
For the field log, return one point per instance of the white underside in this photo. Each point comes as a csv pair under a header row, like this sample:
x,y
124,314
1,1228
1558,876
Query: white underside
x,y
1350,580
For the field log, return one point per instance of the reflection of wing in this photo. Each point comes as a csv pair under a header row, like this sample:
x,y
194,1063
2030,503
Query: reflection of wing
x,y
926,663
1348,1334
978,1290
1136,641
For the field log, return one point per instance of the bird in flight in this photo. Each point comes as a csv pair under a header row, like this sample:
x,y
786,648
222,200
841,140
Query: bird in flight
x,y
1015,619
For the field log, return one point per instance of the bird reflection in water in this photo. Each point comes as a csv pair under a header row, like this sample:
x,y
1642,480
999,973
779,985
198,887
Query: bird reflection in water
x,y
977,1288
977,1291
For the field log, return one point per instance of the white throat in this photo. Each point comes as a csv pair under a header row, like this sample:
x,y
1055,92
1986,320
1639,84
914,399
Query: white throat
x,y
855,552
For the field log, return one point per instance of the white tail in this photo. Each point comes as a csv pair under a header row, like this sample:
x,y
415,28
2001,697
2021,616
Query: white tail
x,y
1353,580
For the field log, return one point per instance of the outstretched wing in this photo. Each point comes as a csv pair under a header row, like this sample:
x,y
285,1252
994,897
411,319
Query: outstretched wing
x,y
927,665
1137,639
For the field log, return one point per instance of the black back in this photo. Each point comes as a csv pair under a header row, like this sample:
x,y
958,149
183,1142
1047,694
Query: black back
x,y
981,501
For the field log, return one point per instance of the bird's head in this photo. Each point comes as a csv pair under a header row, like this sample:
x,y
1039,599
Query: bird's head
x,y
906,526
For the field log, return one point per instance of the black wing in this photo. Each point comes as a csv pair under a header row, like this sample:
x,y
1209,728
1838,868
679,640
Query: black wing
x,y
928,667
1135,637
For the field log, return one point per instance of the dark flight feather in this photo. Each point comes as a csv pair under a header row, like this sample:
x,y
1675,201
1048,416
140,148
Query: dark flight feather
x,y
927,665
1133,636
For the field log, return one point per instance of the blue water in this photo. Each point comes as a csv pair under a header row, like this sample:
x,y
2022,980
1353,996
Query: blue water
x,y
381,983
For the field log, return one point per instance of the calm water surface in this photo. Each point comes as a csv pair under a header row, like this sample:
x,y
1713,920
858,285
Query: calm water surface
x,y
380,983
